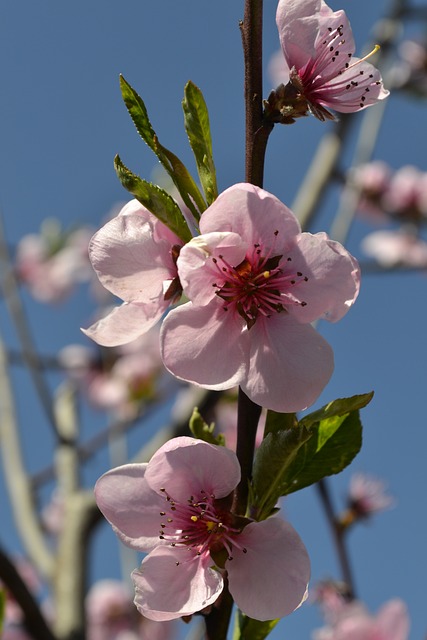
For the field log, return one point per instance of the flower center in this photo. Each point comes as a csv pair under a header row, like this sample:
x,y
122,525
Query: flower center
x,y
199,525
262,284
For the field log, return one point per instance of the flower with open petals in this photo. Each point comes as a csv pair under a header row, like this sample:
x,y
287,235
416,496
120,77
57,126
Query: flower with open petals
x,y
354,622
255,285
178,509
323,73
134,256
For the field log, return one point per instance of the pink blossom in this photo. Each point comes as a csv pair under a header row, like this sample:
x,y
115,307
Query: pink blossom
x,y
134,257
177,508
53,262
255,283
355,623
367,495
121,380
406,195
112,616
393,248
318,47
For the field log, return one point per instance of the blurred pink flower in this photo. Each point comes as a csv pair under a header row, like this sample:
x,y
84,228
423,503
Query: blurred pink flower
x,y
367,495
53,262
121,380
406,195
111,615
134,256
177,508
394,248
355,623
255,284
318,48
371,180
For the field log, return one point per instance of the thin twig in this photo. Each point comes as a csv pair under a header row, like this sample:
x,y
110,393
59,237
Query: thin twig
x,y
338,536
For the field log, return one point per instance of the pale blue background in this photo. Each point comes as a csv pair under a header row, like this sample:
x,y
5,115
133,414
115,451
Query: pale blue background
x,y
62,121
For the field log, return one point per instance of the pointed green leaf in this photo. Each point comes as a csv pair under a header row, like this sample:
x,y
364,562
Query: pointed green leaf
x,y
274,457
337,407
203,431
337,441
181,177
249,629
196,120
155,199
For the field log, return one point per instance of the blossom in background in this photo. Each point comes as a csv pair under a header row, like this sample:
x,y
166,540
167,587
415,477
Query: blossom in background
x,y
320,70
177,508
409,72
134,256
386,194
119,380
354,622
367,495
111,615
54,261
255,284
396,248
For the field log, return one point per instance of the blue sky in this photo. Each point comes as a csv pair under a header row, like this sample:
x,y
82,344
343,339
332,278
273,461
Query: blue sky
x,y
63,121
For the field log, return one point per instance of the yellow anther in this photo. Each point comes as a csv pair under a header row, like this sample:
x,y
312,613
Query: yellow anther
x,y
210,526
194,518
266,274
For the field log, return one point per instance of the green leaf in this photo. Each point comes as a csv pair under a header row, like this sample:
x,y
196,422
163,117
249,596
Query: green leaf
x,y
323,443
196,119
181,177
337,441
338,407
203,431
155,199
274,458
249,629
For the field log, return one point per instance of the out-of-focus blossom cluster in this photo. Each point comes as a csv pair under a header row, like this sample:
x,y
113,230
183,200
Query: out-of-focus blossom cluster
x,y
387,196
409,73
118,380
366,496
351,620
111,615
51,263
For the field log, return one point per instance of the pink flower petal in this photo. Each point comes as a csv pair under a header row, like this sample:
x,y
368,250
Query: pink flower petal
x,y
130,506
290,364
184,466
333,278
128,261
393,620
204,345
165,590
193,272
252,213
125,323
277,561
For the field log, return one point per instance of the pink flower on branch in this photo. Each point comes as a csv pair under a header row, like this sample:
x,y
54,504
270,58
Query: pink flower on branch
x,y
178,509
322,72
255,283
134,256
